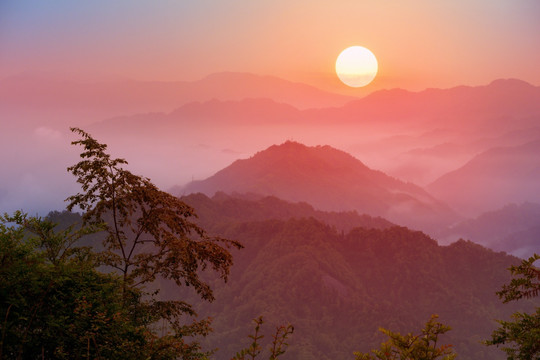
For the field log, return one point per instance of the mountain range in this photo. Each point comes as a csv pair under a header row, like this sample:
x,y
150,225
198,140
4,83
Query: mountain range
x,y
196,128
493,178
333,180
337,288
328,179
339,279
47,94
384,129
323,245
509,99
223,210
502,105
513,228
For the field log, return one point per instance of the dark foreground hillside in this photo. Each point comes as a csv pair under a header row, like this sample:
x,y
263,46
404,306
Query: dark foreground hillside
x,y
338,284
339,289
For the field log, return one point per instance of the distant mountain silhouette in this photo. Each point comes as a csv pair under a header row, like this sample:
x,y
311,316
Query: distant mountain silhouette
x,y
249,111
492,179
505,101
380,128
512,138
236,86
329,179
504,104
108,98
471,118
513,228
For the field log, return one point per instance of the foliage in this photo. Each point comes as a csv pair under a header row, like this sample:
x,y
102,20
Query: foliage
x,y
526,281
53,302
521,336
277,348
149,235
413,347
149,231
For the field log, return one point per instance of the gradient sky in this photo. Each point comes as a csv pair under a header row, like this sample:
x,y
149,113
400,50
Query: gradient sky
x,y
418,43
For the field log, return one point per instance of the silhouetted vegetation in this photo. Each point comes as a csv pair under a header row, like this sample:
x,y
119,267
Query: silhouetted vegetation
x,y
55,305
414,347
277,347
147,235
520,338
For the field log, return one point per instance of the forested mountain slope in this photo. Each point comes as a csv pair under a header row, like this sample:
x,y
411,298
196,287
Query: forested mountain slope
x,y
222,210
338,289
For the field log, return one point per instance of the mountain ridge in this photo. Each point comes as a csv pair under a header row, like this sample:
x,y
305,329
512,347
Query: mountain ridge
x,y
469,107
513,228
328,179
494,178
116,97
343,286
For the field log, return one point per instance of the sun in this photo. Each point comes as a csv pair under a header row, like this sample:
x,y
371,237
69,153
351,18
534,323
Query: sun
x,y
356,66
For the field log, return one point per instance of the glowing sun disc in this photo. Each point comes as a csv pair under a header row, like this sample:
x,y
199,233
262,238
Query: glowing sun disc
x,y
356,66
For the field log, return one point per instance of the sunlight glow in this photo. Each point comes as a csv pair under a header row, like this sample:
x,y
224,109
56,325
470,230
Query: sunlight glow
x,y
356,66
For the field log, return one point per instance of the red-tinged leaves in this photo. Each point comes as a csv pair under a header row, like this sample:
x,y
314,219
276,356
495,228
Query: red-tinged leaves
x,y
149,230
150,235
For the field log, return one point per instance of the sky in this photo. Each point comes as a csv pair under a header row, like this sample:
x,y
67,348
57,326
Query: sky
x,y
419,43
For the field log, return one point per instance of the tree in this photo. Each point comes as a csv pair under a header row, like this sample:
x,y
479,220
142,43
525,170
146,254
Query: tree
x,y
53,302
136,214
277,348
526,283
522,335
413,347
150,235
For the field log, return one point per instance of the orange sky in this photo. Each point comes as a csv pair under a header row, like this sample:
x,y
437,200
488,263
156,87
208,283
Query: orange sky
x,y
418,43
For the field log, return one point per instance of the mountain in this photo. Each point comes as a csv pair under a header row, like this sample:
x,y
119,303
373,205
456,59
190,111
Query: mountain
x,y
502,104
380,128
223,211
337,289
445,151
513,228
42,94
521,243
199,127
200,118
329,179
492,179
512,138
237,86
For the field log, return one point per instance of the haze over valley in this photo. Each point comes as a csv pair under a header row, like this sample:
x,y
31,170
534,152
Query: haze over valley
x,y
465,150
